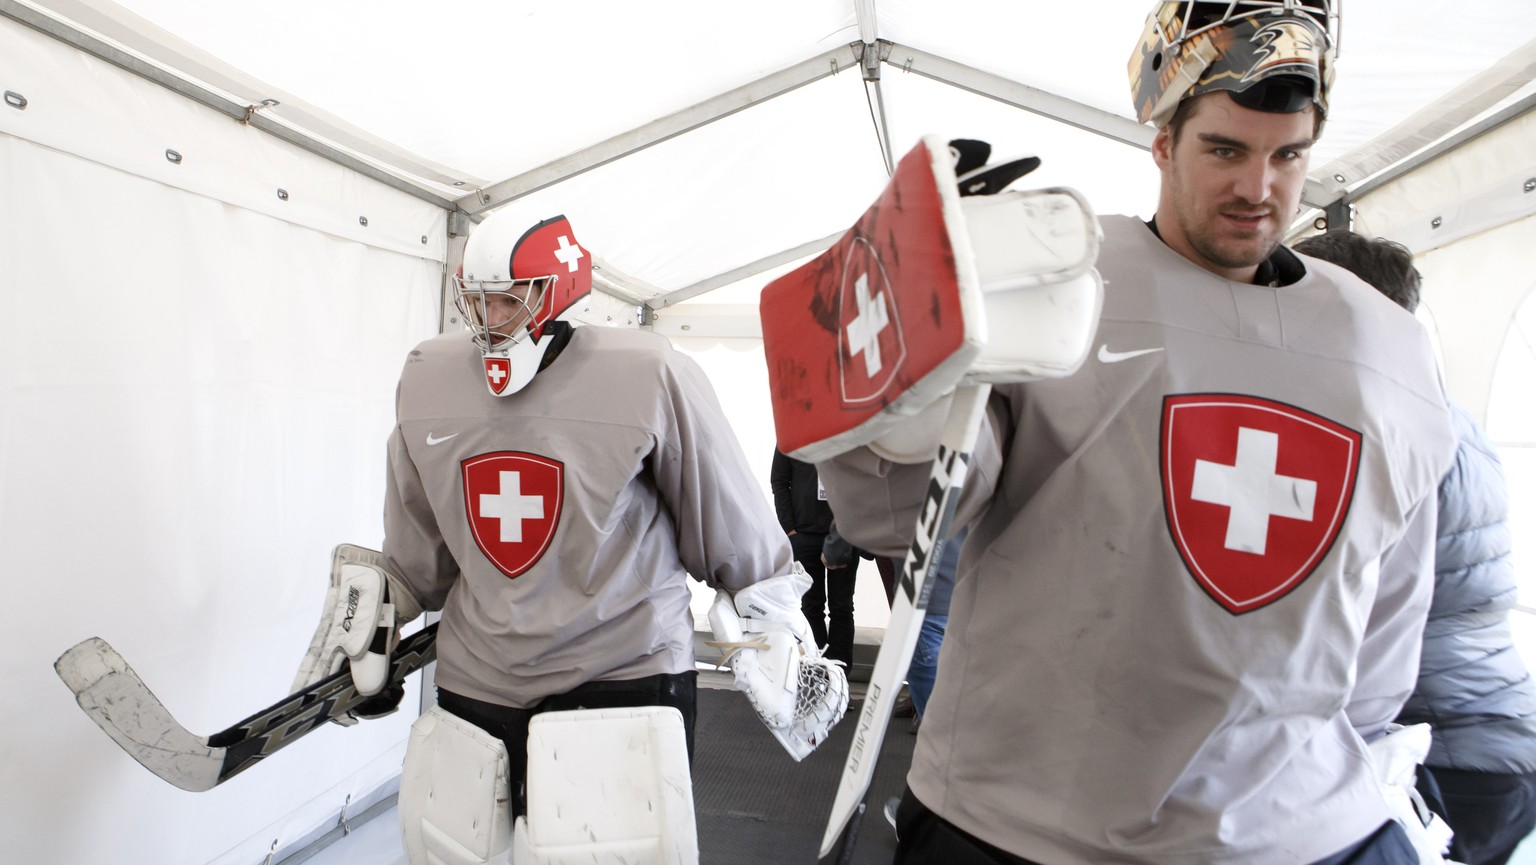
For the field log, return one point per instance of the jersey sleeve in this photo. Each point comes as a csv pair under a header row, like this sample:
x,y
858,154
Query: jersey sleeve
x,y
1388,665
876,500
728,536
413,544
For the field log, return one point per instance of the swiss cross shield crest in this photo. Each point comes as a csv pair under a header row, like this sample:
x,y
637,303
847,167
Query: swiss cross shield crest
x,y
871,348
512,501
498,372
1255,492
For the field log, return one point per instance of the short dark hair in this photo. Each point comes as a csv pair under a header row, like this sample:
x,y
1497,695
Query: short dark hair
x,y
1186,110
1385,265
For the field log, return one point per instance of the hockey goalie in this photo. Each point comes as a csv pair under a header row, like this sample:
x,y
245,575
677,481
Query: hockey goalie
x,y
884,345
550,489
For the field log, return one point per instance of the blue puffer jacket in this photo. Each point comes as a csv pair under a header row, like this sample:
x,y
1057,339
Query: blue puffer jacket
x,y
1473,687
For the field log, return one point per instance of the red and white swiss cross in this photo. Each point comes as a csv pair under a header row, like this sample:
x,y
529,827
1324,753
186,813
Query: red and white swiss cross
x,y
513,500
498,371
1255,492
871,348
882,312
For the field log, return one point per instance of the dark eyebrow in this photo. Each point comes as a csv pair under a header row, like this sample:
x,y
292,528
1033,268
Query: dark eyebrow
x,y
1221,141
1217,140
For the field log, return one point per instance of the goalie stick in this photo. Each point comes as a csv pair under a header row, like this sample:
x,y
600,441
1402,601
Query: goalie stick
x,y
109,691
945,480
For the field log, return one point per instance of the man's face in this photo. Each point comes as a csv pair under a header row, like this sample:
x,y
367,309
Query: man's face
x,y
1231,183
505,313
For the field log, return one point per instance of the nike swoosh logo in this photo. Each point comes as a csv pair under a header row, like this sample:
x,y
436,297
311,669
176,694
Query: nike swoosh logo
x,y
435,440
1107,356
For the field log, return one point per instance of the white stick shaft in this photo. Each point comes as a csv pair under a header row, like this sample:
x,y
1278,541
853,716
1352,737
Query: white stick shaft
x,y
946,479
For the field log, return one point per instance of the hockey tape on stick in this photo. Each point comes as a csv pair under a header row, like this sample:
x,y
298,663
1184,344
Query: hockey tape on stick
x,y
907,612
114,696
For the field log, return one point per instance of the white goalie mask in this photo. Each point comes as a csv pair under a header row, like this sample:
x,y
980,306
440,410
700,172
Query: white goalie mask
x,y
514,282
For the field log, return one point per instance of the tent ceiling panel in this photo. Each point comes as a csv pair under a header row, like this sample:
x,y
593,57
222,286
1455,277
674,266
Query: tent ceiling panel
x,y
841,58
523,86
153,133
1075,50
792,170
115,34
1400,56
495,87
555,78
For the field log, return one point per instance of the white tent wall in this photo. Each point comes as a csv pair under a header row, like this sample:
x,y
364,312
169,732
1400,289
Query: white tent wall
x,y
196,381
1492,375
1456,213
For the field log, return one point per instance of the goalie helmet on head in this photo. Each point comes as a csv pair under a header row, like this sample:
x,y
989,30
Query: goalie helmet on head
x,y
1270,55
514,283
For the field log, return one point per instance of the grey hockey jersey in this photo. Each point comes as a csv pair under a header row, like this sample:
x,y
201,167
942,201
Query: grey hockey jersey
x,y
555,527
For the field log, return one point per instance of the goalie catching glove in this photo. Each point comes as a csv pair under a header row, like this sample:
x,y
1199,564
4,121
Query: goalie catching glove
x,y
767,641
360,624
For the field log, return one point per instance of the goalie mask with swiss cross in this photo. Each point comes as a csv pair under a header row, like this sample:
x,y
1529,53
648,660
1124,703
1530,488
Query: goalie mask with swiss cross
x,y
512,284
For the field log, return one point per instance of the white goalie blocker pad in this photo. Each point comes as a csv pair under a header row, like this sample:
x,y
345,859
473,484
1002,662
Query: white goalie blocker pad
x,y
363,605
929,291
798,694
1396,757
608,787
1035,252
454,800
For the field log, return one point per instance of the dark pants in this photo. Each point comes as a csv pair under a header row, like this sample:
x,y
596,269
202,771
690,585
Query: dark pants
x,y
830,594
679,690
925,838
889,566
1490,812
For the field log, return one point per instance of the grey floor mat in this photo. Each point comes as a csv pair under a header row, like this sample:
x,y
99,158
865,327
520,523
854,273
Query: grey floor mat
x,y
757,806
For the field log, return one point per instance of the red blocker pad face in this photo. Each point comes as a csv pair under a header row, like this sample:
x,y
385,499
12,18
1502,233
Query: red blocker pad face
x,y
882,323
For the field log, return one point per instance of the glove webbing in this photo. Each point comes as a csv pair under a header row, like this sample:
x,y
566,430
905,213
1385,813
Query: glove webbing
x,y
814,685
760,644
734,647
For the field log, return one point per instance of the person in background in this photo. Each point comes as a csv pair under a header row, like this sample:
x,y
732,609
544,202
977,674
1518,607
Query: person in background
x,y
841,559
1473,688
801,504
924,668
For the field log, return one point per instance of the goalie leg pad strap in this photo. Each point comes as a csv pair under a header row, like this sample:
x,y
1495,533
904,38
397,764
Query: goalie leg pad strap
x,y
454,801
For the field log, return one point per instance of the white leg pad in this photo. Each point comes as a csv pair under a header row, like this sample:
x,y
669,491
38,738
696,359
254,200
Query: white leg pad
x,y
608,786
454,793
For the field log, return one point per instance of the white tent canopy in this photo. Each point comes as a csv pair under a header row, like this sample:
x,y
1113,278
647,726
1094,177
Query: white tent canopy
x,y
226,223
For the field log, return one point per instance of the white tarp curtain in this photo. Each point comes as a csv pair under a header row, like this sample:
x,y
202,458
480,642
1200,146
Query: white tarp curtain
x,y
196,381
1466,216
1493,377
